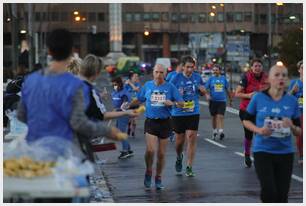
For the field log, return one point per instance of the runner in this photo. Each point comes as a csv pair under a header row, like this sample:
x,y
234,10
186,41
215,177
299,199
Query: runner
x,y
133,86
296,89
186,120
176,67
120,98
159,96
277,116
251,82
218,88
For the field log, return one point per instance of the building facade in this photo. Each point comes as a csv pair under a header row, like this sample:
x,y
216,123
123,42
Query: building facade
x,y
173,29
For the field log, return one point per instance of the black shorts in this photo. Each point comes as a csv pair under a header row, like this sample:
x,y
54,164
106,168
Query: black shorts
x,y
216,107
161,128
182,123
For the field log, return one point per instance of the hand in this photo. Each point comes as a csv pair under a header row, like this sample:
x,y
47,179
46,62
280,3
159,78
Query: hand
x,y
207,96
287,122
168,103
127,81
124,106
250,95
264,131
295,89
132,113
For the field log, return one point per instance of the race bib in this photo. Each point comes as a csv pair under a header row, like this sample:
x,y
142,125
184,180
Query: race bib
x,y
276,126
158,99
218,87
188,106
300,102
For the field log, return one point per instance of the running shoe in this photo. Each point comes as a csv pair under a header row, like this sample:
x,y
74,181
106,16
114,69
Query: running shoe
x,y
189,172
247,161
147,181
214,136
131,153
158,184
222,136
179,163
123,155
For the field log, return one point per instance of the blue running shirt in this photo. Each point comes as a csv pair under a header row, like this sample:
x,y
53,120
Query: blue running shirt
x,y
154,96
170,76
118,97
133,93
267,109
188,87
217,87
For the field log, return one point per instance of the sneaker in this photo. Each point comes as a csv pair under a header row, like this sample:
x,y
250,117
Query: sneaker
x,y
123,155
131,153
189,172
147,181
179,163
222,136
214,136
247,161
158,184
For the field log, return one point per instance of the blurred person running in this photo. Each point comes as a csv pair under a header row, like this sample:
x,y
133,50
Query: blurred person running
x,y
277,117
252,81
53,101
186,120
133,86
159,96
176,68
218,89
296,89
120,100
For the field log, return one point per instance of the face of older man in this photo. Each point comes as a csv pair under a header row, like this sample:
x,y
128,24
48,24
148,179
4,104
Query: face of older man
x,y
159,73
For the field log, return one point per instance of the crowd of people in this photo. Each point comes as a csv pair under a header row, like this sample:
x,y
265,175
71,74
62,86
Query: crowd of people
x,y
61,100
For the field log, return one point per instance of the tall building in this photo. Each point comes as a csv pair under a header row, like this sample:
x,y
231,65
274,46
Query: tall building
x,y
200,29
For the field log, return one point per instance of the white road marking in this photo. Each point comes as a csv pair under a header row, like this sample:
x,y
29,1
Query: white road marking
x,y
228,109
215,143
293,176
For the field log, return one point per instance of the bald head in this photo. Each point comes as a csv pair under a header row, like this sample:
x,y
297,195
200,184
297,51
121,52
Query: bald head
x,y
159,72
160,67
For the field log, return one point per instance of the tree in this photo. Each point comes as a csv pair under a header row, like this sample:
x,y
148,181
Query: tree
x,y
291,49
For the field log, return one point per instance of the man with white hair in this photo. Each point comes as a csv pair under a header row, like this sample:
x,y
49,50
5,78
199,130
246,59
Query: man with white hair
x,y
159,96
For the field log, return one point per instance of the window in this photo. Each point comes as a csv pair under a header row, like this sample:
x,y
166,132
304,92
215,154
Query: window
x,y
55,16
238,16
194,17
280,19
147,16
128,17
45,16
155,16
165,16
256,18
273,18
137,17
184,17
174,17
202,17
263,18
248,16
92,17
220,17
101,17
37,16
229,17
64,16
211,18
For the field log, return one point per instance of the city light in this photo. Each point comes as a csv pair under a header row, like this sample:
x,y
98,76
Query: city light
x,y
76,13
83,19
213,7
77,18
279,4
212,14
292,17
8,19
146,33
222,5
23,31
242,31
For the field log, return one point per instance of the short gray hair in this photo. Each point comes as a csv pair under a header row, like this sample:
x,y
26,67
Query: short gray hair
x,y
90,66
162,66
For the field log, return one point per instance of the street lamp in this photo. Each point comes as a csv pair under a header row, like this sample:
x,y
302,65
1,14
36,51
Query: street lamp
x,y
77,18
292,17
279,4
76,13
212,13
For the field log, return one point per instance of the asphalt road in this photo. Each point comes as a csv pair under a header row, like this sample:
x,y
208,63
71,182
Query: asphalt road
x,y
221,176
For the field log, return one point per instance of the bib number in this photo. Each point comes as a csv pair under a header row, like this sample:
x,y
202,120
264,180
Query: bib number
x,y
157,100
218,87
188,106
276,126
300,102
